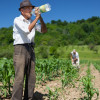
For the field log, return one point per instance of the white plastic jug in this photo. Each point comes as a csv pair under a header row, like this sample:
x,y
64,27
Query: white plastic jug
x,y
42,9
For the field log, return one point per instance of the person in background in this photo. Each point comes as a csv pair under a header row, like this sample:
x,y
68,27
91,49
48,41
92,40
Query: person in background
x,y
75,58
24,29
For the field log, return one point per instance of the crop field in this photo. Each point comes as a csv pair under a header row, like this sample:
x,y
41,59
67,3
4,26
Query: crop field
x,y
57,79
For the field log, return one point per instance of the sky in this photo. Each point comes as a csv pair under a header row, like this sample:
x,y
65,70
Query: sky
x,y
69,10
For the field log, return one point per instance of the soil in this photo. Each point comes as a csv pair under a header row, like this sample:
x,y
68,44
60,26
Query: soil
x,y
70,92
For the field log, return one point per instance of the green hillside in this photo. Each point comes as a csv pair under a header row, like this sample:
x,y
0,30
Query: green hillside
x,y
60,39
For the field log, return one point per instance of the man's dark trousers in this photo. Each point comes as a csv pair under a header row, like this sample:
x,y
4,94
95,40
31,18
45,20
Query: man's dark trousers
x,y
24,65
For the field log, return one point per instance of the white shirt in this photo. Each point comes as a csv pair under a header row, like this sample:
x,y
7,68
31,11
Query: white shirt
x,y
75,55
21,32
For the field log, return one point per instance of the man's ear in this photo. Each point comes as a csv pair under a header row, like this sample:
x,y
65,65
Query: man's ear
x,y
21,10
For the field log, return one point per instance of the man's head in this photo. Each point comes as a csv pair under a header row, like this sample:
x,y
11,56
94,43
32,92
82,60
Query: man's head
x,y
74,51
26,8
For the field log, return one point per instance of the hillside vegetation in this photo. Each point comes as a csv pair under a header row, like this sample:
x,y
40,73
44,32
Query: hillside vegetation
x,y
60,37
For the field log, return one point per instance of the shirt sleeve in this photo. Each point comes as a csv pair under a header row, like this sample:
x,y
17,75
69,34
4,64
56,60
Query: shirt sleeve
x,y
21,26
38,27
77,55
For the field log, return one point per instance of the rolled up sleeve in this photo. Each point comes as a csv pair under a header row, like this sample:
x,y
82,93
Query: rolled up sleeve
x,y
38,27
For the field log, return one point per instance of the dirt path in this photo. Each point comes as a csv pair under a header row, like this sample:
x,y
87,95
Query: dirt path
x,y
74,93
96,79
69,92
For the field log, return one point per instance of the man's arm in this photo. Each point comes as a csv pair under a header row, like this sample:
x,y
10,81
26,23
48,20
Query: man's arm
x,y
31,26
77,56
43,26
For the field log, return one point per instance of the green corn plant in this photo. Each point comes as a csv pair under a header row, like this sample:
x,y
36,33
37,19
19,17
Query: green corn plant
x,y
68,74
7,71
97,65
47,69
52,95
88,86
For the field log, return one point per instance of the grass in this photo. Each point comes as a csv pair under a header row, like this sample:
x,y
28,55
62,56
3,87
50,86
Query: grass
x,y
64,52
6,51
84,52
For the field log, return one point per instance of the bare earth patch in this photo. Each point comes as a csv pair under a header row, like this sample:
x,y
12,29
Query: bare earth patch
x,y
96,79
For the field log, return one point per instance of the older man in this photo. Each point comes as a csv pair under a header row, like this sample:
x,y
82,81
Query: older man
x,y
24,58
75,58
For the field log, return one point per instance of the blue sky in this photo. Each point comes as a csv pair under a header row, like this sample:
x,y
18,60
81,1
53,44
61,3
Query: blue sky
x,y
69,10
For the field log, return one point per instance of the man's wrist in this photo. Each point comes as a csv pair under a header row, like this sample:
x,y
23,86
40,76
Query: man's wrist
x,y
37,17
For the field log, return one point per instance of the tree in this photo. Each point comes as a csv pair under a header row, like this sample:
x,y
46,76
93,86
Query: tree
x,y
53,22
80,21
85,27
59,22
94,18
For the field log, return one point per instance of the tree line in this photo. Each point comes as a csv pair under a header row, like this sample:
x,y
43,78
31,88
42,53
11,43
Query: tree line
x,y
81,32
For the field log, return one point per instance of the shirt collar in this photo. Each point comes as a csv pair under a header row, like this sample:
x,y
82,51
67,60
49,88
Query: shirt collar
x,y
25,20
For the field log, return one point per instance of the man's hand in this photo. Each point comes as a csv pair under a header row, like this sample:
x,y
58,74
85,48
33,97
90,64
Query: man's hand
x,y
37,13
